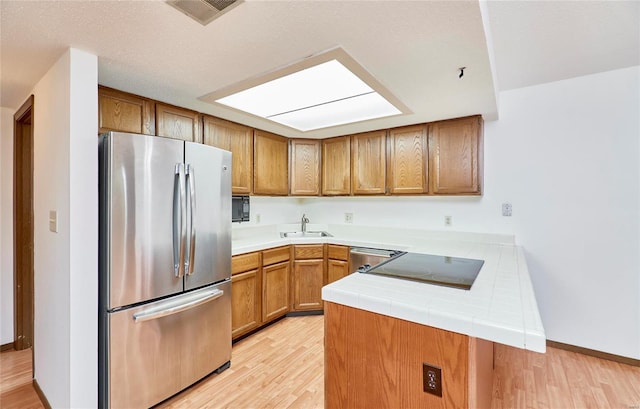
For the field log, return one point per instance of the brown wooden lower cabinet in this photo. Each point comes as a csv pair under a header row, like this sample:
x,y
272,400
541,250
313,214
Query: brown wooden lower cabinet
x,y
307,289
308,277
373,360
275,283
246,293
337,262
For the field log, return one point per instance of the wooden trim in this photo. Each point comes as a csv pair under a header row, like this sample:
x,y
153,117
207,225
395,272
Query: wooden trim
x,y
28,105
6,347
592,352
23,274
41,395
480,381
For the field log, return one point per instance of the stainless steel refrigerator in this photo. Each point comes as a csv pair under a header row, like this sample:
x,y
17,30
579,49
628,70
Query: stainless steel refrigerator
x,y
164,267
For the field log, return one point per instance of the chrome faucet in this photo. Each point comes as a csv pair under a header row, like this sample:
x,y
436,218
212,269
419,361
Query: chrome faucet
x,y
303,223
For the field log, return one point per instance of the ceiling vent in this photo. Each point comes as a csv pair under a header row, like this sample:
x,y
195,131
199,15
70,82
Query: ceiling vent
x,y
204,11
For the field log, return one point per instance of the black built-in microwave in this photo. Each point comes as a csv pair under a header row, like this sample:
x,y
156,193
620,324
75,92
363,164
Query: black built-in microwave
x,y
239,208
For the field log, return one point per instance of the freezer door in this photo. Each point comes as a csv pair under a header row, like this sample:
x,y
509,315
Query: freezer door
x,y
158,349
208,180
139,173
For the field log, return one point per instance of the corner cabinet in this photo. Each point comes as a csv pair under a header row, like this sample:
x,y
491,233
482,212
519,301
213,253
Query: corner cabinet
x,y
304,167
368,163
407,160
456,156
270,164
124,112
238,139
178,123
336,166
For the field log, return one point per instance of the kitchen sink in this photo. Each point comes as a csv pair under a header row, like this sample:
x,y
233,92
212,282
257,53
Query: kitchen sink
x,y
305,234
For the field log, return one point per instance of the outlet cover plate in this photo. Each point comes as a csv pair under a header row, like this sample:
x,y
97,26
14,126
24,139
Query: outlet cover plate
x,y
432,379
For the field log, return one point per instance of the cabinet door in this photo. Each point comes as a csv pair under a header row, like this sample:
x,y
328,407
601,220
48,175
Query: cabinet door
x,y
305,167
275,291
177,123
239,140
245,302
336,166
336,269
124,112
407,167
270,164
307,284
455,156
368,162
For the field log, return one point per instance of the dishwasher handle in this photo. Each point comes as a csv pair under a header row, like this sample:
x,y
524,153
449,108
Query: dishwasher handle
x,y
372,252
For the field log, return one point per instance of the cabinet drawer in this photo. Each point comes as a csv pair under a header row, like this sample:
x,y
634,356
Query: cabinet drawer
x,y
308,251
245,262
337,252
276,255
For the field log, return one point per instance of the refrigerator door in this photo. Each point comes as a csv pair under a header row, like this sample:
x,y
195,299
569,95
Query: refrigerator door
x,y
142,185
160,348
208,180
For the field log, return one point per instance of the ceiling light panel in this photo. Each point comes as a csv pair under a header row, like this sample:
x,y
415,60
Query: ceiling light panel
x,y
316,85
316,96
356,109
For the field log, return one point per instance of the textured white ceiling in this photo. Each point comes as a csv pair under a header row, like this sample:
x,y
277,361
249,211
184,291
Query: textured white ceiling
x,y
539,42
412,47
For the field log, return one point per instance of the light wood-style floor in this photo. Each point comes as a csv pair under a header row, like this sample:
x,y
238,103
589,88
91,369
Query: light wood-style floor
x,y
282,367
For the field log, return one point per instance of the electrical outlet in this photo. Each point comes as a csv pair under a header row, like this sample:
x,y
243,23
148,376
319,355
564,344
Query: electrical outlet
x,y
257,218
348,217
506,209
432,379
448,220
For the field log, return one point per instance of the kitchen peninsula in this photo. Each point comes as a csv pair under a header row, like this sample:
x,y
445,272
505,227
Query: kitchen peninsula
x,y
384,322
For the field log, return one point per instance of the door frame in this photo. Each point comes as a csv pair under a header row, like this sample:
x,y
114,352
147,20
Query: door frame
x,y
23,270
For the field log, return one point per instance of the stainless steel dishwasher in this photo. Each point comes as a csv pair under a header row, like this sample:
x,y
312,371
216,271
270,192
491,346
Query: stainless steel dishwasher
x,y
367,258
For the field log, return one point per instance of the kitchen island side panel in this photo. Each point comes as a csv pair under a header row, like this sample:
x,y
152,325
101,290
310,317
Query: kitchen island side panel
x,y
373,360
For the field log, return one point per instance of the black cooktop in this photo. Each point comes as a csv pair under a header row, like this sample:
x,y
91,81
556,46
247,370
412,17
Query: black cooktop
x,y
441,270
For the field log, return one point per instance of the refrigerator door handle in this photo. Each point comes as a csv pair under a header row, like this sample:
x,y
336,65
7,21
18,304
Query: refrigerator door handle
x,y
179,220
176,306
191,185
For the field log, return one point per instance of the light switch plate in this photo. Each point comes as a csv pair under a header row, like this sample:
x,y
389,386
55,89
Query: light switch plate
x,y
53,221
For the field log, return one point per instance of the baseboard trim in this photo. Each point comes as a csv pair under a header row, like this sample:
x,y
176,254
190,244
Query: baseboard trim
x,y
41,395
6,347
594,353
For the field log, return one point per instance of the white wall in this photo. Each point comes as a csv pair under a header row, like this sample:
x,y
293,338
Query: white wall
x,y
83,225
65,263
572,150
567,156
6,225
272,210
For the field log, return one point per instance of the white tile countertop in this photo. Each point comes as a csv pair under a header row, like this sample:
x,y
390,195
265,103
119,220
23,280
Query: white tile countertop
x,y
500,306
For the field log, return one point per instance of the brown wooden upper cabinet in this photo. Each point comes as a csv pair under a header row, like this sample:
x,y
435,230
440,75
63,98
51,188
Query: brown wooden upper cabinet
x,y
336,166
407,161
368,163
239,140
304,167
455,156
124,112
270,164
177,123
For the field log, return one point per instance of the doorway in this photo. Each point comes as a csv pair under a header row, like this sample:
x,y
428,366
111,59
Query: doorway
x,y
23,225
